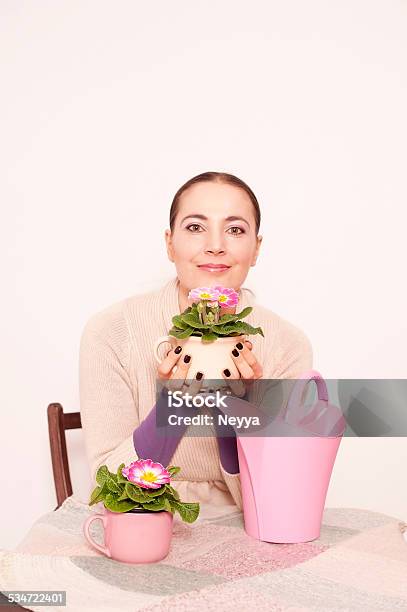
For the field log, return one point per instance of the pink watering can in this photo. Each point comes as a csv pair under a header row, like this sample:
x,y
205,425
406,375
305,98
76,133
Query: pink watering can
x,y
285,477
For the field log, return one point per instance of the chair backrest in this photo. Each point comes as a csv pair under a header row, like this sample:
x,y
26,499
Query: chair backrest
x,y
58,423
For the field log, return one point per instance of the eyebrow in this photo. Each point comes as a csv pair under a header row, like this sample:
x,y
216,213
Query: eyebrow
x,y
231,218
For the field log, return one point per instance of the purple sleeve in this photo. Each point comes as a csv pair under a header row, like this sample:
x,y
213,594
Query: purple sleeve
x,y
226,437
228,453
148,444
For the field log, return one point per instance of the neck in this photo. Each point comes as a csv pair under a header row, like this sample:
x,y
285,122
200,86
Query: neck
x,y
182,297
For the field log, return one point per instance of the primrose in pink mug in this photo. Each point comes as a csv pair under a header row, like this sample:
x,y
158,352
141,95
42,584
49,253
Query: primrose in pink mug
x,y
135,536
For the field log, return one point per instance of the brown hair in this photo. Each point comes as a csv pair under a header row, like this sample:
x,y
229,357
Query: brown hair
x,y
216,177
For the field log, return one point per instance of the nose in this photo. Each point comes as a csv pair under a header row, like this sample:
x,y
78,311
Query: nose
x,y
215,241
215,251
215,244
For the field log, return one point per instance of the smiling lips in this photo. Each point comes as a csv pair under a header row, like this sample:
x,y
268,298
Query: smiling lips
x,y
214,267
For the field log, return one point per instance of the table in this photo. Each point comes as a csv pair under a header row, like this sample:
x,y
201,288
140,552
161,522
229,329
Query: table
x,y
359,563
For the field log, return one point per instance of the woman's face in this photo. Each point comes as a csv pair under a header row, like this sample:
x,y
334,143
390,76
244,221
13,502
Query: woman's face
x,y
215,224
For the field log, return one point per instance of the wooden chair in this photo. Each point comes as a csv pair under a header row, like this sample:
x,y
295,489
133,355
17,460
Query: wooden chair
x,y
58,422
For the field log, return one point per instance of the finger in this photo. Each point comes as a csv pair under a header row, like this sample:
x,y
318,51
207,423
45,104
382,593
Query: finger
x,y
249,344
250,359
174,384
177,378
241,364
165,368
174,344
196,385
236,385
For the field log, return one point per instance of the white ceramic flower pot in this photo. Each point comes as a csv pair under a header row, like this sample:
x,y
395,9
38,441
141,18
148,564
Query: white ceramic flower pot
x,y
210,358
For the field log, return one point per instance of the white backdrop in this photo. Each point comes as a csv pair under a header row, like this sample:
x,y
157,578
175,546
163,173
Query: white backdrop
x,y
107,108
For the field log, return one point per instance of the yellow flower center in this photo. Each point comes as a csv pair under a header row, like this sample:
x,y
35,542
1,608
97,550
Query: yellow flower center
x,y
149,476
222,298
205,296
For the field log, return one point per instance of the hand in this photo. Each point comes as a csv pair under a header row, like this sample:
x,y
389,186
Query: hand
x,y
248,367
175,381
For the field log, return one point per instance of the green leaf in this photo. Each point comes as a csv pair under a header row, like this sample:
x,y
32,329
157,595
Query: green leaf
x,y
188,511
178,322
245,328
123,495
246,311
192,308
139,494
156,492
194,321
238,329
227,318
209,337
174,331
102,474
112,503
112,483
155,504
173,492
167,505
172,469
94,495
120,477
185,333
98,494
228,330
136,493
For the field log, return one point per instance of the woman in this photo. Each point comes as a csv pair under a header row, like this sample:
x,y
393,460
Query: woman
x,y
213,239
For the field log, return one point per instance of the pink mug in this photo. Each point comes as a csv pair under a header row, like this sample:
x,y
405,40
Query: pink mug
x,y
137,536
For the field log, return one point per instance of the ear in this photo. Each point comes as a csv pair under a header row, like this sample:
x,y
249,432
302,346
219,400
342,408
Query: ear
x,y
256,254
168,241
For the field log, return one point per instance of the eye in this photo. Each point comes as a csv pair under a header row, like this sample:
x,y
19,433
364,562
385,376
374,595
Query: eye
x,y
236,233
237,228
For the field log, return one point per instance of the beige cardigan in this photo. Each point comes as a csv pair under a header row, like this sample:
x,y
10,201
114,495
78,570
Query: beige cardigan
x,y
118,374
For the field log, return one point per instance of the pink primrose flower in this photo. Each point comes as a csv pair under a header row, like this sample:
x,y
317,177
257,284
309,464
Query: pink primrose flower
x,y
146,473
227,296
203,293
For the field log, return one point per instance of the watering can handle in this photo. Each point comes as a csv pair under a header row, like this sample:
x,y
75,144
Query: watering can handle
x,y
297,394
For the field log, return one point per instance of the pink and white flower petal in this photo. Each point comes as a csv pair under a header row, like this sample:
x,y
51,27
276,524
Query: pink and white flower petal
x,y
203,293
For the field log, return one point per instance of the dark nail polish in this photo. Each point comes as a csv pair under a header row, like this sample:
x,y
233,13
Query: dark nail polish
x,y
235,353
178,350
226,372
187,358
199,375
239,345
